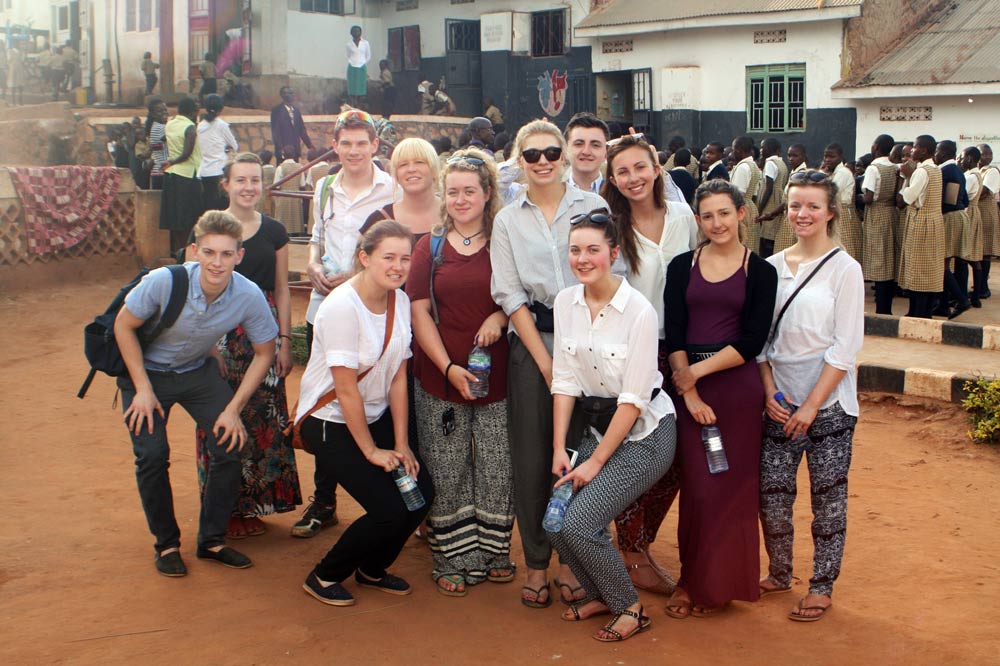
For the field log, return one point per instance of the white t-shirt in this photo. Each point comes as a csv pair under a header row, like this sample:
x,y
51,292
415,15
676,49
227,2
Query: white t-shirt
x,y
349,335
873,179
843,178
825,324
214,138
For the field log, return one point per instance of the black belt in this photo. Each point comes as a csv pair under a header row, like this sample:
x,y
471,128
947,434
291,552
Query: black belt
x,y
702,352
600,411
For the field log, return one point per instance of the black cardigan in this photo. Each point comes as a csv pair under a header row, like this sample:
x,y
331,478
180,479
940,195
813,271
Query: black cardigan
x,y
755,319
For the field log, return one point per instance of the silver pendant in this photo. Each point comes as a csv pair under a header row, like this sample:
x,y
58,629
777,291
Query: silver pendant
x,y
467,241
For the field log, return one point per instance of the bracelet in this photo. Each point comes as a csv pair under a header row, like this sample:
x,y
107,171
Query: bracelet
x,y
447,369
285,336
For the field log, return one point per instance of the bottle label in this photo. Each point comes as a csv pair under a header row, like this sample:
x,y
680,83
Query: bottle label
x,y
714,444
405,483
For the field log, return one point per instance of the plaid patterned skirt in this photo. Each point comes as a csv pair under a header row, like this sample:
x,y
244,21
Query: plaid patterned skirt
x,y
752,235
849,230
991,220
878,256
921,265
972,235
954,225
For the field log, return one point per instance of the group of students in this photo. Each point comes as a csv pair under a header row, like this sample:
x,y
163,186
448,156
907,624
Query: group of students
x,y
619,323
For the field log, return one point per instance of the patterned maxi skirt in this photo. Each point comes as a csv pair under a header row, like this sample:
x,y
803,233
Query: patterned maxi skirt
x,y
270,477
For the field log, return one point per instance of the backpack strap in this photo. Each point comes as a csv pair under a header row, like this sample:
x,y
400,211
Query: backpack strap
x,y
178,297
784,308
437,246
324,194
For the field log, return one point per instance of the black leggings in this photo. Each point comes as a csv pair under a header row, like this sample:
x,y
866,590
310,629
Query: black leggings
x,y
373,541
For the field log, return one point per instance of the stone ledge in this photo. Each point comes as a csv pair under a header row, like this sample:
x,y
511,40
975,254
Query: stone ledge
x,y
934,331
919,382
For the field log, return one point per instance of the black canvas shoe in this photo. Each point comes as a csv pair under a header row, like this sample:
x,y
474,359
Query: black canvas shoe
x,y
333,595
171,565
317,516
387,583
227,557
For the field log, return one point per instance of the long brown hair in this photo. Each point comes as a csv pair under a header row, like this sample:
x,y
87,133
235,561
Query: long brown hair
x,y
620,206
487,172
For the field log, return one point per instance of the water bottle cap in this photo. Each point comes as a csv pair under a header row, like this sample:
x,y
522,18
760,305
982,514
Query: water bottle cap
x,y
779,396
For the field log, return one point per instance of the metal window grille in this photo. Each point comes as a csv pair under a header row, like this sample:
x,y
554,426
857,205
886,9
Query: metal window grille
x,y
463,35
548,33
776,98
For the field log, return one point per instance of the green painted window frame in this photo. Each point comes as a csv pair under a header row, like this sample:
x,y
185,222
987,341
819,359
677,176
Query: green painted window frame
x,y
776,98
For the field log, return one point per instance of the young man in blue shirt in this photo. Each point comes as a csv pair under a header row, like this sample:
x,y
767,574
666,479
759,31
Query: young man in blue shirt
x,y
176,369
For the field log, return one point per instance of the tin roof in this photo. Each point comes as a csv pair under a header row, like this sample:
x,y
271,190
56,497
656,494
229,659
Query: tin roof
x,y
960,44
624,12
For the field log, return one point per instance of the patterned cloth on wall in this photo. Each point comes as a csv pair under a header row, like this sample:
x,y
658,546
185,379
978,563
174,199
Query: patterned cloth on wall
x,y
63,204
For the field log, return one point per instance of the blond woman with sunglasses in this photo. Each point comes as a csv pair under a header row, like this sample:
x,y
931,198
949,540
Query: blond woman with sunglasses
x,y
529,251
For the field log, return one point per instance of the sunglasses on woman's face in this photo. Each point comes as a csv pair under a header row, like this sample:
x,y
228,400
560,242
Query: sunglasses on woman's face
x,y
808,176
532,155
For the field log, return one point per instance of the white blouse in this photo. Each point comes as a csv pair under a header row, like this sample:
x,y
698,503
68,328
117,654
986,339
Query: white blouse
x,y
680,234
349,335
615,355
825,324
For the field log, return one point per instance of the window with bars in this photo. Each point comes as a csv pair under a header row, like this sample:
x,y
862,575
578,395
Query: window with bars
x,y
463,35
549,35
404,49
339,7
141,15
776,98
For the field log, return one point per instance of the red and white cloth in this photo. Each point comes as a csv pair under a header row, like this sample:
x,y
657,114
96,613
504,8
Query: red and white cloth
x,y
63,204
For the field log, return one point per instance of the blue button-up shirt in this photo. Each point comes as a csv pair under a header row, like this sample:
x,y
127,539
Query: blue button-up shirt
x,y
184,346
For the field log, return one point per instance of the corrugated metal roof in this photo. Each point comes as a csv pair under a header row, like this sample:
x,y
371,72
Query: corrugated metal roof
x,y
623,12
960,44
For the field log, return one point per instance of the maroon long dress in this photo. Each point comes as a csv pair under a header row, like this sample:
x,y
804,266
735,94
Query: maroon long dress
x,y
717,528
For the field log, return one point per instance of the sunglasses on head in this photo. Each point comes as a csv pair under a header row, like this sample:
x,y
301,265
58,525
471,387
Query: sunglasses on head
x,y
355,114
474,161
808,176
532,155
597,216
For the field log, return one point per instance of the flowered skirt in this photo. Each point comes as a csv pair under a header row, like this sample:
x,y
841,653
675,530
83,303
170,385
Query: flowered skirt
x,y
270,477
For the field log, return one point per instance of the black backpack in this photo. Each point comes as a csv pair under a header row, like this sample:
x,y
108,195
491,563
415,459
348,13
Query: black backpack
x,y
99,343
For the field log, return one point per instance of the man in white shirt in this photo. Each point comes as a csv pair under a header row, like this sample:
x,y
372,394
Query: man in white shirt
x,y
359,53
341,204
587,139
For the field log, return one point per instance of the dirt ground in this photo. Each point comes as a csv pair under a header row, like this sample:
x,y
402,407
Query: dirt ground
x,y
77,585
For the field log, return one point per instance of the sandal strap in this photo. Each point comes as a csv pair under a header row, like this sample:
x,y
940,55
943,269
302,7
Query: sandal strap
x,y
629,613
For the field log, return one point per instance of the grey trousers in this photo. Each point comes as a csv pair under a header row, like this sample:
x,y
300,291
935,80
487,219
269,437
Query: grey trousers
x,y
529,423
583,542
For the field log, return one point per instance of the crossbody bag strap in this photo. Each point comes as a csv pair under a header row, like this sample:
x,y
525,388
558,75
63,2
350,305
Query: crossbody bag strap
x,y
784,308
331,395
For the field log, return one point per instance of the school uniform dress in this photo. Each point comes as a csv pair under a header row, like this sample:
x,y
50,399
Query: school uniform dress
x,y
639,523
775,169
989,212
878,256
848,226
784,236
530,266
824,325
472,517
955,215
610,356
747,178
921,265
288,210
972,234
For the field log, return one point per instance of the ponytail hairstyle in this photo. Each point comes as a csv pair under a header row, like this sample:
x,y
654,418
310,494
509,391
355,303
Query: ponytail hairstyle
x,y
213,107
621,208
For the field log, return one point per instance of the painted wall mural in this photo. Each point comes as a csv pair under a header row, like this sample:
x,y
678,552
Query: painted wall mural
x,y
552,92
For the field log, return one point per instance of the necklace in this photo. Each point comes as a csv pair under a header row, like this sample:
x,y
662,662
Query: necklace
x,y
467,240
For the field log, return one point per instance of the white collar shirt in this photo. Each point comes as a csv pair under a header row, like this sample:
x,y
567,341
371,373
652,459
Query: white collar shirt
x,y
335,228
824,325
612,356
742,174
972,185
843,178
873,179
594,187
215,138
771,169
680,234
358,54
991,178
711,168
915,191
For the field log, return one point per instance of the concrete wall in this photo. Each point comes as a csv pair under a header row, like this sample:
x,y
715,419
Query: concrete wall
x,y
882,26
956,118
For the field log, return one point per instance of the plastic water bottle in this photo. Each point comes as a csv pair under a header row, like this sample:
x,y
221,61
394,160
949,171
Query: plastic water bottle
x,y
711,437
802,441
480,362
330,267
555,512
412,496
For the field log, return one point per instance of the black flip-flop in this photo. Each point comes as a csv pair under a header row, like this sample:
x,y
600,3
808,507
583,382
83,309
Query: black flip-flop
x,y
538,593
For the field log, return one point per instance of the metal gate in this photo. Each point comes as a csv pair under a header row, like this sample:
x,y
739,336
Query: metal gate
x,y
463,62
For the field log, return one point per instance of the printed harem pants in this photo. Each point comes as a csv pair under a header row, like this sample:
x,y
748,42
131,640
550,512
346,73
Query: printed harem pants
x,y
828,456
472,517
583,543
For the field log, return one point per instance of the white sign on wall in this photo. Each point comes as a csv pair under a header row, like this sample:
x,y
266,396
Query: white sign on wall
x,y
495,31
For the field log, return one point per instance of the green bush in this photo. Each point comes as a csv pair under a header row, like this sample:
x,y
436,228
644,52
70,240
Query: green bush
x,y
983,403
299,351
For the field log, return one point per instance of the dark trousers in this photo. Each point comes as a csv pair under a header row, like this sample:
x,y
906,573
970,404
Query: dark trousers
x,y
373,541
324,475
962,277
885,290
986,263
151,80
203,394
921,304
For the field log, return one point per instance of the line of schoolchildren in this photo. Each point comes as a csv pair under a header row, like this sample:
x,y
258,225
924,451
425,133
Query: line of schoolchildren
x,y
622,326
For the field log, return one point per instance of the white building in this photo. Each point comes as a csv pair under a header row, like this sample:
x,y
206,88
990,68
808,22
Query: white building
x,y
943,81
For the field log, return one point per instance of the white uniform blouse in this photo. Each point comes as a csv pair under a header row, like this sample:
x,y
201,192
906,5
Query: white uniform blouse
x,y
825,324
615,355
